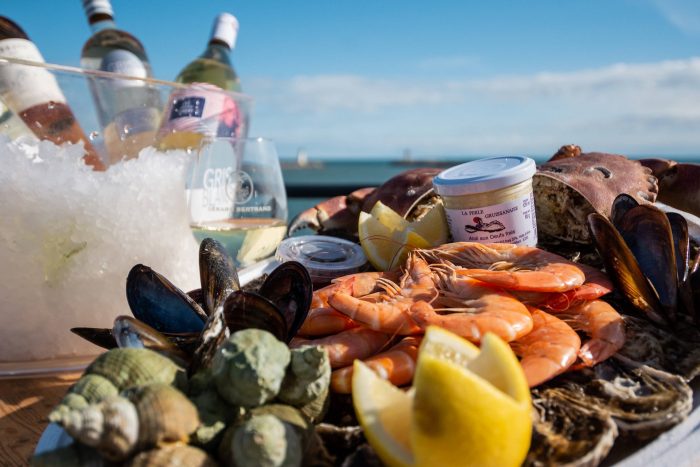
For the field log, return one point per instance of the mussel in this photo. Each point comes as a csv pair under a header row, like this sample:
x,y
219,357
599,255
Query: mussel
x,y
154,300
647,253
173,322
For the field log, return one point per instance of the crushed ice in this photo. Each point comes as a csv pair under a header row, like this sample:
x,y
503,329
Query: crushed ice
x,y
69,235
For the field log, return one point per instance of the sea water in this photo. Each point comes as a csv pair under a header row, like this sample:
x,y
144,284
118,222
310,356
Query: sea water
x,y
70,235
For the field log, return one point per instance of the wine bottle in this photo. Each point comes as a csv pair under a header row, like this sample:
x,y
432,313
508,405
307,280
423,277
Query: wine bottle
x,y
33,93
202,109
11,125
128,110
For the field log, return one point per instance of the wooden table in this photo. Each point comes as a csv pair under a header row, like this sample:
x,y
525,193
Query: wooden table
x,y
24,405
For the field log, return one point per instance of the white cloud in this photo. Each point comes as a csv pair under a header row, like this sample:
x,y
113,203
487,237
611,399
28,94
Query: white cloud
x,y
632,108
683,14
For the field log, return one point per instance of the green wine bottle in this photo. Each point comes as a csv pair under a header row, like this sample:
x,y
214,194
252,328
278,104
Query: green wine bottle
x,y
214,65
206,107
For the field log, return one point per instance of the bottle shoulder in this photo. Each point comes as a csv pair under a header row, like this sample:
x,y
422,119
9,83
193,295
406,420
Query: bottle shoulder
x,y
113,39
206,70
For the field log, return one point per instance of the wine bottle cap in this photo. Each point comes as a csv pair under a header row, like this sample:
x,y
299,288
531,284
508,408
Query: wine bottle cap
x,y
93,7
225,29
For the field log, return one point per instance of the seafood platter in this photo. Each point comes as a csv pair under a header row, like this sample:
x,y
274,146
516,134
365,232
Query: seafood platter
x,y
603,316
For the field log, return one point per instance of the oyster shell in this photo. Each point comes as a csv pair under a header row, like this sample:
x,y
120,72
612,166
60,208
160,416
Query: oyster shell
x,y
566,432
674,352
642,400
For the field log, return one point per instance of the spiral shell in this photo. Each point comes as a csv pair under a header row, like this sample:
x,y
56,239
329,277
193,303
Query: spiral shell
x,y
308,375
249,367
89,389
110,426
147,417
130,367
174,455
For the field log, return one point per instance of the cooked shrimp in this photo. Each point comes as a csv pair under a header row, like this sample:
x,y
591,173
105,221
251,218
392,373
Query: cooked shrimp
x,y
596,285
510,266
390,311
475,308
343,348
357,285
602,323
325,321
398,364
548,350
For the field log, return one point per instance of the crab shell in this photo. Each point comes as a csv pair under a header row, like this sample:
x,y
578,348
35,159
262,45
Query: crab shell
x,y
339,215
678,183
568,189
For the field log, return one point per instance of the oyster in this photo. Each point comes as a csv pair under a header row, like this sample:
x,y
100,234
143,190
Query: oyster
x,y
568,432
674,352
643,401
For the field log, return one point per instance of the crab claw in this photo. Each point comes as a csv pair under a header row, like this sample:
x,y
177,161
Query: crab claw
x,y
678,183
335,216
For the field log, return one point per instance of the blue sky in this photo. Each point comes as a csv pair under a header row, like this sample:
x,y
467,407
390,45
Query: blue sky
x,y
441,78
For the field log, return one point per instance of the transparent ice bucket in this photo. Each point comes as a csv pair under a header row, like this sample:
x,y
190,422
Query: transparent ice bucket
x,y
69,234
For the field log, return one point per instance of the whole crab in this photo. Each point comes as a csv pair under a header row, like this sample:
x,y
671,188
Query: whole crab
x,y
407,193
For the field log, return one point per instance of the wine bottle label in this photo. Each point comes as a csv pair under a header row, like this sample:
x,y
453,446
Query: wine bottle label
x,y
203,109
125,63
24,86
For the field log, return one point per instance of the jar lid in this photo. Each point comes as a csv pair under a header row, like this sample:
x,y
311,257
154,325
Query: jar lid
x,y
325,257
491,173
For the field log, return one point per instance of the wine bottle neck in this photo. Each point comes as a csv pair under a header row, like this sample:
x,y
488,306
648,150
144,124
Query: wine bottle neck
x,y
224,30
101,21
217,50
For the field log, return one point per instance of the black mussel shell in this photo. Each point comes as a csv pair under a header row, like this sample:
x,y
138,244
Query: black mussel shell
x,y
198,296
647,232
217,273
623,269
130,332
101,337
623,203
681,248
154,300
210,339
289,287
246,310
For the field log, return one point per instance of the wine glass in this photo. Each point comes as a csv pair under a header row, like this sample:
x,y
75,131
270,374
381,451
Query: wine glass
x,y
236,195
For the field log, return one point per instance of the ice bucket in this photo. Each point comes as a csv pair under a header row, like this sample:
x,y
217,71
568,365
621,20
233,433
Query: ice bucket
x,y
78,212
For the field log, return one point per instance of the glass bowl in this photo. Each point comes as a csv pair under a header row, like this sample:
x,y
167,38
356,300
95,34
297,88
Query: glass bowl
x,y
77,216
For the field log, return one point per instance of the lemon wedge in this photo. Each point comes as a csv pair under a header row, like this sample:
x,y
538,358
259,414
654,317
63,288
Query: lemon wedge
x,y
469,405
386,237
384,411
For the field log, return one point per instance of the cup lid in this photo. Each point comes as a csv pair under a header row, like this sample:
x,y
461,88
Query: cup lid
x,y
488,174
323,256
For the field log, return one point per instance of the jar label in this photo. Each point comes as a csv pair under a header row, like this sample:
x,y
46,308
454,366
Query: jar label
x,y
207,112
24,86
510,222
